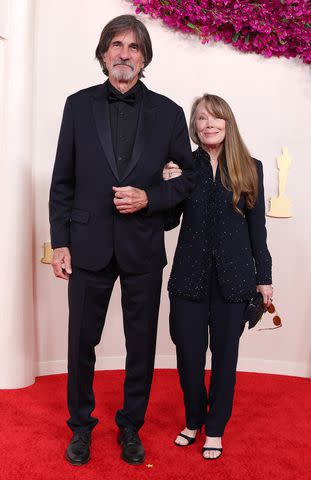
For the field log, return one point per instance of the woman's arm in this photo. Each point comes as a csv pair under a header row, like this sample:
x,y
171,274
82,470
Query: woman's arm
x,y
256,221
172,216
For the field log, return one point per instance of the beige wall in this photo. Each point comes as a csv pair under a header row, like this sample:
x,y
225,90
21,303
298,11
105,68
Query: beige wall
x,y
17,352
271,100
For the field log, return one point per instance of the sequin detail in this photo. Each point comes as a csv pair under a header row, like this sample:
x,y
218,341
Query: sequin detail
x,y
212,231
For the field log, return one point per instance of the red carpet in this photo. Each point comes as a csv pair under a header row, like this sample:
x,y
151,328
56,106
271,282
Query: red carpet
x,y
268,437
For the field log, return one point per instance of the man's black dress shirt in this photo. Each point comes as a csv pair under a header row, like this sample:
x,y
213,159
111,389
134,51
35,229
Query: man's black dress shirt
x,y
124,111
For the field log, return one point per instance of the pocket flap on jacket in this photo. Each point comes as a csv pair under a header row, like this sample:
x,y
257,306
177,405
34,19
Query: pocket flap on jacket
x,y
80,216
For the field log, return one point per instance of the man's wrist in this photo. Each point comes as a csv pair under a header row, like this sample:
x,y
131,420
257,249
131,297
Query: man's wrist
x,y
146,200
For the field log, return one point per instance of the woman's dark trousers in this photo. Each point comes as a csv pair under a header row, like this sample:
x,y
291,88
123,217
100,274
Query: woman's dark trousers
x,y
194,324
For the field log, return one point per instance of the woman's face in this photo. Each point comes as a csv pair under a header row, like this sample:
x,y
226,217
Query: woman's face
x,y
210,130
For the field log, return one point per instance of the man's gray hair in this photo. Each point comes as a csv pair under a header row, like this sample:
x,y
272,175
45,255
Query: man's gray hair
x,y
120,24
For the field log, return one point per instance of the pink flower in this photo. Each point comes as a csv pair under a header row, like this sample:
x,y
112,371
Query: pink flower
x,y
267,27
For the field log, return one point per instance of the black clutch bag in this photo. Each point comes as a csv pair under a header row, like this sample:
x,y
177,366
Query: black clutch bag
x,y
254,310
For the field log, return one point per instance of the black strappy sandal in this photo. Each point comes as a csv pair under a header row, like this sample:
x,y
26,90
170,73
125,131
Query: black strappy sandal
x,y
218,449
190,440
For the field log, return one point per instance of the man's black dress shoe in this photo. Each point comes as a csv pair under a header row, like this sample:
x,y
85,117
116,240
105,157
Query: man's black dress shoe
x,y
132,450
78,450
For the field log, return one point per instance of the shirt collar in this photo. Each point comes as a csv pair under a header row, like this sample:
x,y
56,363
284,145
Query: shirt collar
x,y
136,89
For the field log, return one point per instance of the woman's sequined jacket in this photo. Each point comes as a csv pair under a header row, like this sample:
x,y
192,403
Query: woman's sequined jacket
x,y
213,232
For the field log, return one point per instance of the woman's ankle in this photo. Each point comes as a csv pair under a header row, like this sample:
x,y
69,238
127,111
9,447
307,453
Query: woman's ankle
x,y
191,430
213,441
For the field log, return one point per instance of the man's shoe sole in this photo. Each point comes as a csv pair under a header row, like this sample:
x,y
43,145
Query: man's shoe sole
x,y
77,464
131,462
126,459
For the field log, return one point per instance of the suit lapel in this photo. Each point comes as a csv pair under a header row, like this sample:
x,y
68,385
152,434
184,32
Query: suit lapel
x,y
144,128
102,121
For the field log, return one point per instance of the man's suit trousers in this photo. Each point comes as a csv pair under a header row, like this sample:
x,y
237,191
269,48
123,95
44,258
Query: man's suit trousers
x,y
192,323
89,295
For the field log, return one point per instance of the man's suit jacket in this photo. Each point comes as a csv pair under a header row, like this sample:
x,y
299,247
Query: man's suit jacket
x,y
82,214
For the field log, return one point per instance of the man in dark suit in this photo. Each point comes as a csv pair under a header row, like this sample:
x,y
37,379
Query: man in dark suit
x,y
107,201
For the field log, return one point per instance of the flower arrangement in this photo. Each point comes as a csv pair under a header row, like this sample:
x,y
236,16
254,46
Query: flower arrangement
x,y
268,27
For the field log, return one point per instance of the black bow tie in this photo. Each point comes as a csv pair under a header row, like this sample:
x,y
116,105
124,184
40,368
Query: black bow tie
x,y
129,99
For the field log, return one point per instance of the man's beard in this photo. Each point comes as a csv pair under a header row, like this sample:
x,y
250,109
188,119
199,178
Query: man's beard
x,y
125,75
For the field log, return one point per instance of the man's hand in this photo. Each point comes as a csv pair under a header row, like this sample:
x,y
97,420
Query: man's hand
x,y
61,262
129,199
171,170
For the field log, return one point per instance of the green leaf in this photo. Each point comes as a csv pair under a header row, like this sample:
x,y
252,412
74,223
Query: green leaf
x,y
190,25
236,37
246,39
308,25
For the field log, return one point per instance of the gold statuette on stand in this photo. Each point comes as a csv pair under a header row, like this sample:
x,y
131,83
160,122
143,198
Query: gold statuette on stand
x,y
281,206
47,253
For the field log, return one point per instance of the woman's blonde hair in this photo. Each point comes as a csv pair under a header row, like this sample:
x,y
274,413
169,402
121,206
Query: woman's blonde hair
x,y
238,170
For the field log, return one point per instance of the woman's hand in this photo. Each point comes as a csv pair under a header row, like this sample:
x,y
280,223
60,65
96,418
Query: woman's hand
x,y
266,292
171,170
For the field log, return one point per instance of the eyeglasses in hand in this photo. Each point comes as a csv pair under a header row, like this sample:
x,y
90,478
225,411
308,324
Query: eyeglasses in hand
x,y
276,318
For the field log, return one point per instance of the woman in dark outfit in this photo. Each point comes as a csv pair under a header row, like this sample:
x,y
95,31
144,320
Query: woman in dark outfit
x,y
220,261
